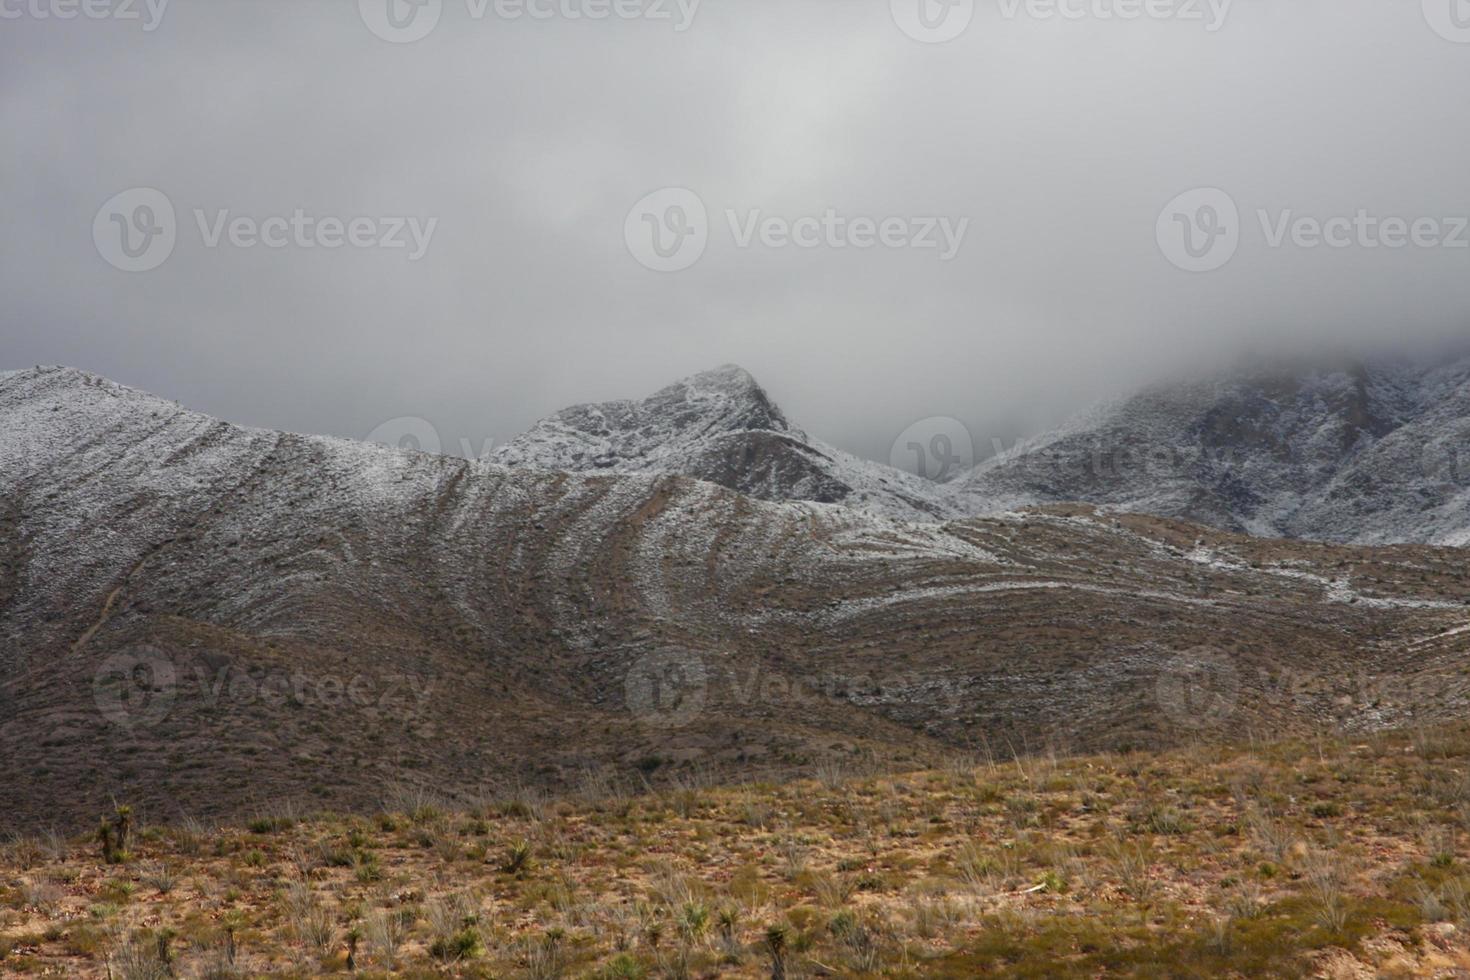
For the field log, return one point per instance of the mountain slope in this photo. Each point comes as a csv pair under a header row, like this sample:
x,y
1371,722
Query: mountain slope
x,y
1363,453
719,426
195,615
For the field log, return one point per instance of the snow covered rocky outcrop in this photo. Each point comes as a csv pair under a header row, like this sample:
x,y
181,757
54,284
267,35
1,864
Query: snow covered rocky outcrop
x,y
720,426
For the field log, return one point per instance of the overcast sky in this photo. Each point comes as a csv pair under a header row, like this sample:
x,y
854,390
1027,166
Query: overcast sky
x,y
528,141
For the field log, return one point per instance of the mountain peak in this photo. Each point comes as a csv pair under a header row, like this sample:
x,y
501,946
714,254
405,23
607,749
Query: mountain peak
x,y
726,377
619,435
731,372
719,426
727,398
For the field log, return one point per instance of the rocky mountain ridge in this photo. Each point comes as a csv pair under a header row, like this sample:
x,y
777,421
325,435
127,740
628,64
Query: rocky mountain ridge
x,y
1360,453
199,616
1365,453
722,427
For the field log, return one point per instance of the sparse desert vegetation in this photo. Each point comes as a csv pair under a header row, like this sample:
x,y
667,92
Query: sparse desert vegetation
x,y
1325,857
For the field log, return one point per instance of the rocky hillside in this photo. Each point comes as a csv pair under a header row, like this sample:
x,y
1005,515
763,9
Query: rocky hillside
x,y
720,426
196,615
1367,453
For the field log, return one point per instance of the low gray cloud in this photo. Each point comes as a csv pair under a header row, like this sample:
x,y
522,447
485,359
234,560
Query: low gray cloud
x,y
1058,131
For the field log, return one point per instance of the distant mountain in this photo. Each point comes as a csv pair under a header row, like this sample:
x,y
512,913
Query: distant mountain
x,y
1366,453
204,617
720,426
1360,453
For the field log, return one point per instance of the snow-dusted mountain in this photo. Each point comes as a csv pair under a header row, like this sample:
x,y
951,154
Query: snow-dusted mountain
x,y
1365,453
195,614
720,426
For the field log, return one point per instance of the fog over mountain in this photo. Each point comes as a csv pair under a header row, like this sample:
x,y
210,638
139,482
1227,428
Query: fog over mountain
x,y
529,140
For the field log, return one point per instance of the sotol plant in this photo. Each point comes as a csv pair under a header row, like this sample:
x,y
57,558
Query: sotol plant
x,y
115,834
